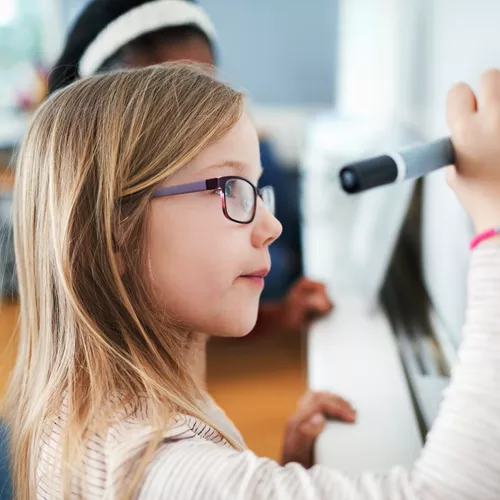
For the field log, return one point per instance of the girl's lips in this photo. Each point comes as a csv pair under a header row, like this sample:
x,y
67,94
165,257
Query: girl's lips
x,y
256,277
260,273
258,280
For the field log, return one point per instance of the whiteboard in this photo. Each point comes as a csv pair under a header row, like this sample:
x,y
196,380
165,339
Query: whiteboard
x,y
462,39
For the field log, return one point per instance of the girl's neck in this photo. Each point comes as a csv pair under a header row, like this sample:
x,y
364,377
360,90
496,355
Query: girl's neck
x,y
198,361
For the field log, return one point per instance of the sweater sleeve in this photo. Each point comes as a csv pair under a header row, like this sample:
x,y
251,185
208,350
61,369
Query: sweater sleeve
x,y
460,460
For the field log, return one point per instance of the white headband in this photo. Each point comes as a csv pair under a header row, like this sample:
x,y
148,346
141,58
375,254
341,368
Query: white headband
x,y
146,18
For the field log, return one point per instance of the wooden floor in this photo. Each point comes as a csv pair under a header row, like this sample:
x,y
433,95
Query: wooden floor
x,y
257,382
8,341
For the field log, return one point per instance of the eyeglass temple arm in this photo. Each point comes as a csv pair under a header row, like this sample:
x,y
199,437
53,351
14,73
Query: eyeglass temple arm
x,y
191,187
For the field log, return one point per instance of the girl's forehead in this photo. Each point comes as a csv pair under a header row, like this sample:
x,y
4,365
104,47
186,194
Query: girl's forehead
x,y
237,153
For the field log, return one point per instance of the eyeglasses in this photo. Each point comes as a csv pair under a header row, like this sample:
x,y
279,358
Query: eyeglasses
x,y
238,196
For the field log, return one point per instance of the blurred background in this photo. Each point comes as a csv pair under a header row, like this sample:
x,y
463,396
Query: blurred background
x,y
328,81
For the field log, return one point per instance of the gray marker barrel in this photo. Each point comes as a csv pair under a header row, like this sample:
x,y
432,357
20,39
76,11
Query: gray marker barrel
x,y
409,163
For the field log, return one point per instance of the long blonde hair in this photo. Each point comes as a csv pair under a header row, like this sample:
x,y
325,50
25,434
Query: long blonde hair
x,y
88,324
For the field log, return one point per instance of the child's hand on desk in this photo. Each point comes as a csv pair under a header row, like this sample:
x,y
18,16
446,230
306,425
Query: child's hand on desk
x,y
306,301
474,122
307,423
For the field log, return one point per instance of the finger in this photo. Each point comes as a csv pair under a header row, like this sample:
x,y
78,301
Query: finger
x,y
307,407
334,406
305,400
313,427
330,396
306,285
339,409
316,303
489,93
461,104
318,397
329,404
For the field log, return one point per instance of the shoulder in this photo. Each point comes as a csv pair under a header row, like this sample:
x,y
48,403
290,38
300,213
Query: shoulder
x,y
111,454
196,468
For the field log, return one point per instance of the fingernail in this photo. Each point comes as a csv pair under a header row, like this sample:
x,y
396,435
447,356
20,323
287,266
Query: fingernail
x,y
317,419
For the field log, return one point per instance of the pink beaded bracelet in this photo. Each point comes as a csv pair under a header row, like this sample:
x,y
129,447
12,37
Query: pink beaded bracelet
x,y
484,236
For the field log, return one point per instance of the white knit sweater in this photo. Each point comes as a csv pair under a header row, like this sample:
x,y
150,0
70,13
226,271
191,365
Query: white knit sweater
x,y
460,460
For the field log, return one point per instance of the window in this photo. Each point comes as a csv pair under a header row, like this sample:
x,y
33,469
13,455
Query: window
x,y
20,50
7,12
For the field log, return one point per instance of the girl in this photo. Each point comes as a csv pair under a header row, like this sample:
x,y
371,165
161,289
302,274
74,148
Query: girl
x,y
139,230
110,34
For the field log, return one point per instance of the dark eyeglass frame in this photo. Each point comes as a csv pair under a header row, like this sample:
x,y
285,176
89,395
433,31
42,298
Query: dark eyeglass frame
x,y
217,184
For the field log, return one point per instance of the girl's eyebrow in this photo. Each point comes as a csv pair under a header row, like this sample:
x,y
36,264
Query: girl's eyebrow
x,y
241,167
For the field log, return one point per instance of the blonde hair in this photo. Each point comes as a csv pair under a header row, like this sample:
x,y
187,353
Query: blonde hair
x,y
88,323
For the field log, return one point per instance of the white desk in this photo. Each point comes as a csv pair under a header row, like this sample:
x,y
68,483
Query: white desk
x,y
354,354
